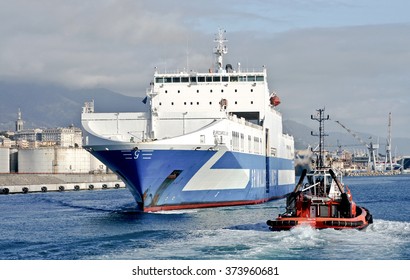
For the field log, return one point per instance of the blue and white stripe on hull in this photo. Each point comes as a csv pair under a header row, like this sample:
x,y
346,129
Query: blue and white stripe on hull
x,y
177,179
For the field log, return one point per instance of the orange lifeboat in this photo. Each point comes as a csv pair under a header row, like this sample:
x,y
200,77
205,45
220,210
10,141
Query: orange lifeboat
x,y
274,100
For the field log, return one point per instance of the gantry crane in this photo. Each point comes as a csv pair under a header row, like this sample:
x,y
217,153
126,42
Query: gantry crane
x,y
370,146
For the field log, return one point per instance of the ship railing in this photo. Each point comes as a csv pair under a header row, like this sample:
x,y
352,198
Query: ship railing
x,y
244,122
210,72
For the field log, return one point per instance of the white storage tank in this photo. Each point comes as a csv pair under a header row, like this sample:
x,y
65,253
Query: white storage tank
x,y
72,160
96,166
4,160
41,160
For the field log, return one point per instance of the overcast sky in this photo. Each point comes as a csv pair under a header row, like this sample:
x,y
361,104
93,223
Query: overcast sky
x,y
350,56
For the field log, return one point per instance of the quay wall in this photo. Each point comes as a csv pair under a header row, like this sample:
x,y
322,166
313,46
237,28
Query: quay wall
x,y
26,183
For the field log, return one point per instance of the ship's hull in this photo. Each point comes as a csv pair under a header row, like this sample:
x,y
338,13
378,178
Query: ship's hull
x,y
360,222
165,179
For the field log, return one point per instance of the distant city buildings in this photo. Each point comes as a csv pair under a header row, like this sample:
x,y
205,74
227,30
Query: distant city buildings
x,y
69,137
45,150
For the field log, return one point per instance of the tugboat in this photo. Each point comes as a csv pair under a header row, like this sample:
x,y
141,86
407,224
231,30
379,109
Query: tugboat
x,y
323,201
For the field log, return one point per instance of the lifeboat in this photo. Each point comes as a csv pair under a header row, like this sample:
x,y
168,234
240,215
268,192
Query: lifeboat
x,y
274,100
322,202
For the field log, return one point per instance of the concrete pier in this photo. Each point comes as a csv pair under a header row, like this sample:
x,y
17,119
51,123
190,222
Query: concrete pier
x,y
28,183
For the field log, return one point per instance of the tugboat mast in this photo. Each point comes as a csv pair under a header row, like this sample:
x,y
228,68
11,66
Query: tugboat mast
x,y
321,119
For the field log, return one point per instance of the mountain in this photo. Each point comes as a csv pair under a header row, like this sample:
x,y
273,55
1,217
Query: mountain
x,y
56,106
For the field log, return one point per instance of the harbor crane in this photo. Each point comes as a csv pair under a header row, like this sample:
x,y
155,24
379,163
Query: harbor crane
x,y
370,146
388,146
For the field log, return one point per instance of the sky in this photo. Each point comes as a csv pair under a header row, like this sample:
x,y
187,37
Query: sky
x,y
350,57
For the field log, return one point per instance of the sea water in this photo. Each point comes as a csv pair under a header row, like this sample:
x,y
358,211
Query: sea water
x,y
105,225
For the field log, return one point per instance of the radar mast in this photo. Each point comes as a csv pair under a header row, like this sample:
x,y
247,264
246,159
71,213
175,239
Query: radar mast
x,y
220,49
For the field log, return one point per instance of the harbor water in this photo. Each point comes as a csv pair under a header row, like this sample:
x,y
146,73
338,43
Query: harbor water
x,y
105,225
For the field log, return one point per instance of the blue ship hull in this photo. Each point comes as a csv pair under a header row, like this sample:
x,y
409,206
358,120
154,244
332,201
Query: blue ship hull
x,y
165,179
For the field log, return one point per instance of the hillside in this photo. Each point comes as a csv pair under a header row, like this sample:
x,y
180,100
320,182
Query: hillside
x,y
53,106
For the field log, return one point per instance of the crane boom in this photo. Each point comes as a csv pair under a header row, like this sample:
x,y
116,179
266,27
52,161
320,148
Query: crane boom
x,y
354,134
371,147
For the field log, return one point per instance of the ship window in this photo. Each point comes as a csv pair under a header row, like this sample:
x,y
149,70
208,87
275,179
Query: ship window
x,y
166,91
225,79
168,79
197,91
234,78
236,102
259,78
210,102
236,90
184,80
179,91
193,79
176,79
209,78
251,89
210,91
217,78
191,103
222,90
251,102
184,103
201,79
251,78
197,103
159,80
160,103
172,103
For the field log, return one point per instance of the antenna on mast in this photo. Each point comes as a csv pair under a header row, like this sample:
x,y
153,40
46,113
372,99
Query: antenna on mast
x,y
321,119
220,49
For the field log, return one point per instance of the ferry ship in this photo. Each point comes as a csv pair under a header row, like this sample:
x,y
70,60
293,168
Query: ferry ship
x,y
207,139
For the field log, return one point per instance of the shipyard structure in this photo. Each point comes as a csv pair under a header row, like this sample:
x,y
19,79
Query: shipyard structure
x,y
49,159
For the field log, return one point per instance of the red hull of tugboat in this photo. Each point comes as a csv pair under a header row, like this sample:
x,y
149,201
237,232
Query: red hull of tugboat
x,y
361,221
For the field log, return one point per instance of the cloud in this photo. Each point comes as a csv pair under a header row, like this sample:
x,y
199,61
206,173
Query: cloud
x,y
318,53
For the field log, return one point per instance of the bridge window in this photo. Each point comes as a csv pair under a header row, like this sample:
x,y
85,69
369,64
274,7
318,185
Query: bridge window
x,y
159,80
168,79
217,79
225,79
184,80
234,78
209,78
251,78
259,78
201,79
193,79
